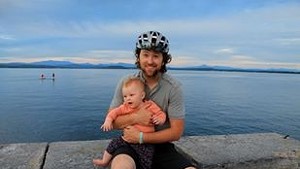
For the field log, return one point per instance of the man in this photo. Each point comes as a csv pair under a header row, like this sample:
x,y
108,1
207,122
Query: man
x,y
152,56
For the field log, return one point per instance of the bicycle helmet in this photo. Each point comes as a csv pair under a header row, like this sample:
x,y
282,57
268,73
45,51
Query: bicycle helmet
x,y
153,40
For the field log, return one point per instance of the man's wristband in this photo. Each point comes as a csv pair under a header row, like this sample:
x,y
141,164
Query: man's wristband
x,y
141,138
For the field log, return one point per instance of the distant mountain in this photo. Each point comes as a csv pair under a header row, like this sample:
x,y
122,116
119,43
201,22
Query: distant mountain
x,y
52,63
66,64
71,65
232,69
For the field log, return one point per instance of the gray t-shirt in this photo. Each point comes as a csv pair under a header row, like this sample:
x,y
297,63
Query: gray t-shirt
x,y
167,95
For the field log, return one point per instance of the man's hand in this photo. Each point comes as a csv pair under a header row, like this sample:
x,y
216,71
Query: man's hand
x,y
131,134
143,116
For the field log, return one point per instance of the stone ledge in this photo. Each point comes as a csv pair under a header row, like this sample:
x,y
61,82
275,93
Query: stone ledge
x,y
239,151
23,155
246,151
74,155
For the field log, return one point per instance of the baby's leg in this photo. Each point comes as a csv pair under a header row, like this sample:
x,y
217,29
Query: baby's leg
x,y
145,153
111,148
104,161
115,144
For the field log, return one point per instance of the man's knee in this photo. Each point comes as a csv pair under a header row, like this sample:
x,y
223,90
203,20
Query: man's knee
x,y
123,161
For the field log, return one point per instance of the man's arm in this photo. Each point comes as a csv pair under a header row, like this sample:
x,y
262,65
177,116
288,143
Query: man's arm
x,y
142,117
131,134
123,121
167,135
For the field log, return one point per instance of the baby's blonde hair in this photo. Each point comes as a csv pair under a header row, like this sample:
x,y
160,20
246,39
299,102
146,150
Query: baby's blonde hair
x,y
134,80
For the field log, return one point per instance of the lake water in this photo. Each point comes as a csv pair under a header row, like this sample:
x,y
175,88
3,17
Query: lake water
x,y
72,107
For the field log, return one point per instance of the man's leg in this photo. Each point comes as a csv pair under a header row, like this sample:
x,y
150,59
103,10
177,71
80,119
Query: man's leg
x,y
123,161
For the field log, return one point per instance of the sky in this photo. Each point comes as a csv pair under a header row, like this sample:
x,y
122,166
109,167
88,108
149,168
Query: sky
x,y
245,34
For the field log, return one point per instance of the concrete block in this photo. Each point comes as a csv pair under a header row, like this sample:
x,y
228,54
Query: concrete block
x,y
246,151
74,155
22,156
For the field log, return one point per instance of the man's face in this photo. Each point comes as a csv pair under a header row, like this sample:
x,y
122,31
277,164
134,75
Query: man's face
x,y
150,62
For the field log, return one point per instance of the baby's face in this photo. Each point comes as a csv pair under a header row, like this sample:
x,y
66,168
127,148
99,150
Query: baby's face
x,y
133,96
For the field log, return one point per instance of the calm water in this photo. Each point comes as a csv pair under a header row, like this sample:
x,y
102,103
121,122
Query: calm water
x,y
73,106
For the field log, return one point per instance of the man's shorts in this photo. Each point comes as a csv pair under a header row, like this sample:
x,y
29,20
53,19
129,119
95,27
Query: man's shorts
x,y
128,151
165,157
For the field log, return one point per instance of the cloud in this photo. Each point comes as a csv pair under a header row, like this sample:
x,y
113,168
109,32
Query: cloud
x,y
267,34
265,20
6,37
225,51
288,41
109,56
241,61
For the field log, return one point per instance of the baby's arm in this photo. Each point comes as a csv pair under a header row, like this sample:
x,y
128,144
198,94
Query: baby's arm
x,y
107,125
111,116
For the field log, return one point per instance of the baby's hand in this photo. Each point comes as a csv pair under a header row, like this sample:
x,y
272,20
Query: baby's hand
x,y
107,126
157,120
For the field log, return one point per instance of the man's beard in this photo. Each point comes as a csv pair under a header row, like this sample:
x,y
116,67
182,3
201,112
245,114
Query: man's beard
x,y
154,74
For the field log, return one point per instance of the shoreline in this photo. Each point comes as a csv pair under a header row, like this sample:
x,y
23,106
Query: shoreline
x,y
245,70
247,151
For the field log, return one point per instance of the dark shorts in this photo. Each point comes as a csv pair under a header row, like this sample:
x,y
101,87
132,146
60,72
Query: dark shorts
x,y
143,153
128,151
165,157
